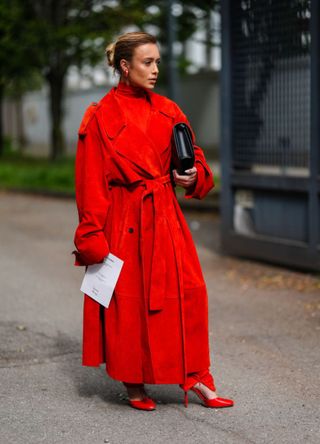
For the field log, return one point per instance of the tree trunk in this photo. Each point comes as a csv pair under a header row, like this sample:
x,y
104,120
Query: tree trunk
x,y
1,121
21,138
208,32
57,142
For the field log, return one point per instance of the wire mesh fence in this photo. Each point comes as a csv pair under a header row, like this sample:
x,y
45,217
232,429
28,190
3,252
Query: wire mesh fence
x,y
270,41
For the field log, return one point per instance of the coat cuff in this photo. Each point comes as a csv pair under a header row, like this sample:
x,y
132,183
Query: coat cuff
x,y
203,184
90,258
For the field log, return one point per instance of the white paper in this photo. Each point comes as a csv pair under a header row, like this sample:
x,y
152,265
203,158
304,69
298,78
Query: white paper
x,y
100,279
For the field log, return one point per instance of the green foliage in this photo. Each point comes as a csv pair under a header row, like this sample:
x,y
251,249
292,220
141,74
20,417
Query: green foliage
x,y
189,17
16,41
69,33
47,37
52,35
16,87
8,147
74,32
28,173
37,174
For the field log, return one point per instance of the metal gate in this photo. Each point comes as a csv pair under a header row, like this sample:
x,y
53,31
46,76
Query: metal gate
x,y
270,130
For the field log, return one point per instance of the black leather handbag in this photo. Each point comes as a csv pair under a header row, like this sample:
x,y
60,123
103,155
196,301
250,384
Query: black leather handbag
x,y
183,152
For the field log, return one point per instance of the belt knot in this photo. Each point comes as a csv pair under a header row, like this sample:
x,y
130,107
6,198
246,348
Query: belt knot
x,y
155,183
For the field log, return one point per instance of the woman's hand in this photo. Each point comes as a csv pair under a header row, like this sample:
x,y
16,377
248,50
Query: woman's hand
x,y
185,180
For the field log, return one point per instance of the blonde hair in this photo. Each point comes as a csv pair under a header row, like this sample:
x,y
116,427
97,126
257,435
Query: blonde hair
x,y
124,46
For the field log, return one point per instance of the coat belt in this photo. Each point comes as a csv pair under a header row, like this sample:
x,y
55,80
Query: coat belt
x,y
155,189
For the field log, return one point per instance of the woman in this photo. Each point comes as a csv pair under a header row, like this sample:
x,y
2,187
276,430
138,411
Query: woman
x,y
155,329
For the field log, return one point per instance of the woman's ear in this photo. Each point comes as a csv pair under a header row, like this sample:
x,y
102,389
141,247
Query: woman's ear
x,y
124,65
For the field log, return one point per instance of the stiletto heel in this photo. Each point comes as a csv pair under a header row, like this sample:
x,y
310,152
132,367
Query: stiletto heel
x,y
186,399
207,380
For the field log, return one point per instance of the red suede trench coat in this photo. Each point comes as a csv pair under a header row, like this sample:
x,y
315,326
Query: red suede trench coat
x,y
155,329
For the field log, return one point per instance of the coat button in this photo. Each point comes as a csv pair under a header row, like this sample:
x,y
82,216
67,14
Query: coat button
x,y
131,230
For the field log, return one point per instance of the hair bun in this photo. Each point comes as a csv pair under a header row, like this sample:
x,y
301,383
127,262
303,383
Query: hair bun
x,y
110,54
123,48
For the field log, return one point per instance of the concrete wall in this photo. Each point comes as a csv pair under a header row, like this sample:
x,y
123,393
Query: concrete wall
x,y
199,101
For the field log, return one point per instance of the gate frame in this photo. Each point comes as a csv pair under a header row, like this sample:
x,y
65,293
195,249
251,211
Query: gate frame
x,y
277,250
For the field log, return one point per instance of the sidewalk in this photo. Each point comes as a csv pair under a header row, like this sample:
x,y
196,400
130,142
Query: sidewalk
x,y
264,332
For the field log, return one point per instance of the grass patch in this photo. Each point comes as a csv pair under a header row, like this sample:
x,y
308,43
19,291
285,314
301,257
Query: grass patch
x,y
37,174
30,173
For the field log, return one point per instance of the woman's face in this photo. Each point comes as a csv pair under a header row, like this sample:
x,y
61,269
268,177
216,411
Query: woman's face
x,y
143,68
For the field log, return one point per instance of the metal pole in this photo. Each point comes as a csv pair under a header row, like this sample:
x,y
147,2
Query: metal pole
x,y
226,124
314,163
173,80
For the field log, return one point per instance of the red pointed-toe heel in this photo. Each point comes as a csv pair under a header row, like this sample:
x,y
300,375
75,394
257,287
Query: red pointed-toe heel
x,y
215,402
144,404
206,379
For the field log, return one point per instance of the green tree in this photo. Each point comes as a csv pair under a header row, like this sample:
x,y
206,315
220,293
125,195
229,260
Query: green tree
x,y
190,15
69,33
50,36
16,61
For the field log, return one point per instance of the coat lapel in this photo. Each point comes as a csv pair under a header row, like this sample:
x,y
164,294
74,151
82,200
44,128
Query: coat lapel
x,y
141,150
127,139
160,131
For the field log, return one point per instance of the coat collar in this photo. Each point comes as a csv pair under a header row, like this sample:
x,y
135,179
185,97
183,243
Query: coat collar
x,y
114,119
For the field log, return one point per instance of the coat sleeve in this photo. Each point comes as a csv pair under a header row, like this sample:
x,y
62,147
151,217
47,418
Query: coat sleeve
x,y
91,196
204,182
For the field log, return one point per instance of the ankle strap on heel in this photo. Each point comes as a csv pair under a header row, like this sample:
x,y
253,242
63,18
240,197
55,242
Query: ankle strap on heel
x,y
203,376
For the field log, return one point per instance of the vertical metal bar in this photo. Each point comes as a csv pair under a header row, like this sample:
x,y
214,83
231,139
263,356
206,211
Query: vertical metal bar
x,y
313,214
226,200
171,59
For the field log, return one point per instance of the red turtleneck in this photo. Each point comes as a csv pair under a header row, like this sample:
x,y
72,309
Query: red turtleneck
x,y
135,103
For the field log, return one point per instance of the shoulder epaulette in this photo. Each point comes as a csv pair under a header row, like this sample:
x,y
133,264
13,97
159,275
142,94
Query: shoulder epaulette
x,y
89,113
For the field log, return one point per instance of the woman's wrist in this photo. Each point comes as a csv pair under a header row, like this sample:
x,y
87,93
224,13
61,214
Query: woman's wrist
x,y
188,180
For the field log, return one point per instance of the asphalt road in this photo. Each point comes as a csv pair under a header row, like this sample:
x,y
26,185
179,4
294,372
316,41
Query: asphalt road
x,y
264,333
